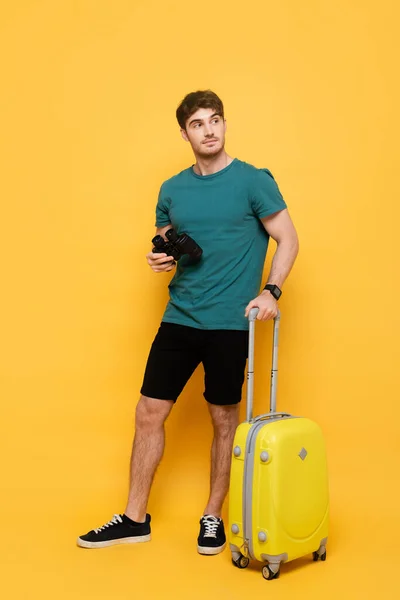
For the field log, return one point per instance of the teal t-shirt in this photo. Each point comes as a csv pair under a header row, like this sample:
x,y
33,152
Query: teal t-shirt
x,y
222,213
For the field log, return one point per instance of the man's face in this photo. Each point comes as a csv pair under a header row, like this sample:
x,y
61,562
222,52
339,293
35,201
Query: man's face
x,y
205,130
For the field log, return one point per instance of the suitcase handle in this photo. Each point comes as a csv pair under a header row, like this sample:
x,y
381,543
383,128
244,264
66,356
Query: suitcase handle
x,y
270,416
250,369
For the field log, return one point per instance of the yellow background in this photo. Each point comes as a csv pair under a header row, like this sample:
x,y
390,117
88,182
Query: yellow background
x,y
88,133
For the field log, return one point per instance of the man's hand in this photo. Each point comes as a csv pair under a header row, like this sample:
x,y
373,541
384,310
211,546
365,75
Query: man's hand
x,y
267,305
160,262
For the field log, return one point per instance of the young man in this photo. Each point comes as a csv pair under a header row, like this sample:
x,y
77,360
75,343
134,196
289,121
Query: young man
x,y
230,209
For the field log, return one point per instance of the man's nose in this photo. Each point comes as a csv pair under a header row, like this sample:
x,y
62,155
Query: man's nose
x,y
208,130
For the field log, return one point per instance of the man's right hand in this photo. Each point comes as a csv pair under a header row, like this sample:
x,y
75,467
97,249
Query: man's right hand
x,y
160,262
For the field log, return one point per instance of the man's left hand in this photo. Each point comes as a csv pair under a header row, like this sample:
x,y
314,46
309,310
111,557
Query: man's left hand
x,y
267,305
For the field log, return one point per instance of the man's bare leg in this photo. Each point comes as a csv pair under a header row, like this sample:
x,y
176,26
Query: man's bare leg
x,y
225,421
147,451
148,447
212,539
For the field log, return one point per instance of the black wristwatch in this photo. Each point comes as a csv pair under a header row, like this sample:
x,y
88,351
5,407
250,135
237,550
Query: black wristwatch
x,y
275,291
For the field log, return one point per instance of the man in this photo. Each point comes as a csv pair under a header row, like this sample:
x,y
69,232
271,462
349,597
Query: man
x,y
230,208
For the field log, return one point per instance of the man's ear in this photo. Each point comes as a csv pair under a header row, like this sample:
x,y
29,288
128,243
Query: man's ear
x,y
184,135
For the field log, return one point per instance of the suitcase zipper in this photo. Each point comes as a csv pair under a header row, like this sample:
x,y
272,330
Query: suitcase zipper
x,y
248,489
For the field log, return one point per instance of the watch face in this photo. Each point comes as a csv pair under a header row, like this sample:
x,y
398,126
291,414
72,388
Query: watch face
x,y
275,291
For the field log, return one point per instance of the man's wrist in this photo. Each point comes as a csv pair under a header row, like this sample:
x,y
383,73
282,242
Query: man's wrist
x,y
274,290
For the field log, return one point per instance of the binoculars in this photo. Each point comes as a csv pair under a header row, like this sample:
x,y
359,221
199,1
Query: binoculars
x,y
177,245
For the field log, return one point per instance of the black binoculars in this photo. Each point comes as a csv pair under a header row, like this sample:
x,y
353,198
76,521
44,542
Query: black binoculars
x,y
177,245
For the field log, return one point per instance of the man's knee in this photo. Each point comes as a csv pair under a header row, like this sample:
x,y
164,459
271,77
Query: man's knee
x,y
225,418
151,413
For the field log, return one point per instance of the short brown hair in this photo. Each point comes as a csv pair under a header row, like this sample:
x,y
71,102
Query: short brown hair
x,y
195,100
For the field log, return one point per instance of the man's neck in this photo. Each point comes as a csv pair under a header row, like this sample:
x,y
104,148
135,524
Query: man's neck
x,y
208,166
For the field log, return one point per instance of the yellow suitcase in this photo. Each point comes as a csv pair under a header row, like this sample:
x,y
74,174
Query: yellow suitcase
x,y
278,496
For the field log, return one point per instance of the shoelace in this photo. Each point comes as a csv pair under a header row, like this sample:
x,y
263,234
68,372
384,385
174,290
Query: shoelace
x,y
114,521
211,525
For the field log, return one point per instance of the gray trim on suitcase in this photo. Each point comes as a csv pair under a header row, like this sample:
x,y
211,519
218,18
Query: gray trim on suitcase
x,y
248,487
274,561
248,479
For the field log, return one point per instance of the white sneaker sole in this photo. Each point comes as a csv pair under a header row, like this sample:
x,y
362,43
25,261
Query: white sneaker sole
x,y
128,540
210,551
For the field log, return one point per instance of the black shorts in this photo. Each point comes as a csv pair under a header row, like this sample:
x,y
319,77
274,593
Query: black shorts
x,y
176,352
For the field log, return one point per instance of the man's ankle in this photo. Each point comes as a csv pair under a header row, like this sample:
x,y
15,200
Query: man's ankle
x,y
134,515
213,512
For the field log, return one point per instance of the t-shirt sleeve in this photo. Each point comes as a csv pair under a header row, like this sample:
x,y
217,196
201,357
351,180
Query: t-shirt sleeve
x,y
266,199
162,209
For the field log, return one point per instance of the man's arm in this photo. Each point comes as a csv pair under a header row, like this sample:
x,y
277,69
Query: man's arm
x,y
280,227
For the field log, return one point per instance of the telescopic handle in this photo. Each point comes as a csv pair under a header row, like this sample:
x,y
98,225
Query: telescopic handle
x,y
250,369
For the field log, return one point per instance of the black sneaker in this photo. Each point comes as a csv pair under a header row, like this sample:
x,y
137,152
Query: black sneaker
x,y
120,530
211,538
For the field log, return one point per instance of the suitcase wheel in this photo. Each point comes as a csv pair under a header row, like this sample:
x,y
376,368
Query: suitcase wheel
x,y
316,556
269,574
242,562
